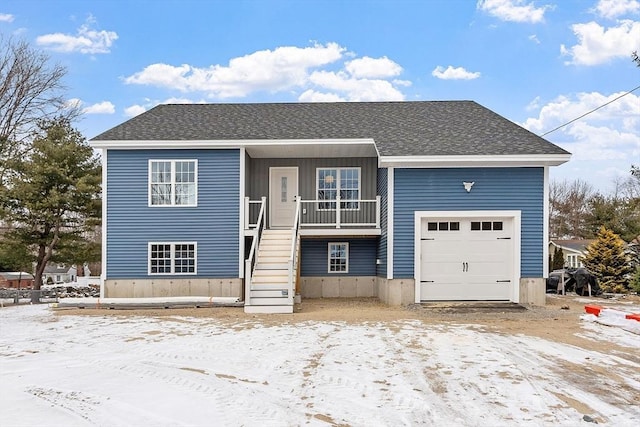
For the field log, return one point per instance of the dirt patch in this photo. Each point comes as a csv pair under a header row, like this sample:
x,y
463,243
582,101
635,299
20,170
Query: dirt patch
x,y
558,321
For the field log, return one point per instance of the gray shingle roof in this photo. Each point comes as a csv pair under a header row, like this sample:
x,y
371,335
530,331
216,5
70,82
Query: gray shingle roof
x,y
398,128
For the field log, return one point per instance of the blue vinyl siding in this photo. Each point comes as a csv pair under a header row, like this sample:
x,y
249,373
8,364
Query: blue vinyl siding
x,y
362,257
213,224
381,269
495,189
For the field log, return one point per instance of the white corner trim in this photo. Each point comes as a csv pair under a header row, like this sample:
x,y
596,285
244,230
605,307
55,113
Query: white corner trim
x,y
545,225
241,216
390,199
474,161
103,273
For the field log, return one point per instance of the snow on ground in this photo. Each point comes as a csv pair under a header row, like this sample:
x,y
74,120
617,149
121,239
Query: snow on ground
x,y
182,371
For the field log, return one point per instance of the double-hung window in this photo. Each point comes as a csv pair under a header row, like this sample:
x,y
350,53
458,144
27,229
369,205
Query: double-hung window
x,y
172,258
331,182
338,257
173,182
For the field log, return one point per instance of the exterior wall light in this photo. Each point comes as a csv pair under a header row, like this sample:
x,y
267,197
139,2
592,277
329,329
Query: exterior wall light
x,y
468,185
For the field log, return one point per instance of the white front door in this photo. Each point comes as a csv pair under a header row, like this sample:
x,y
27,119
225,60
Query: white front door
x,y
466,258
283,185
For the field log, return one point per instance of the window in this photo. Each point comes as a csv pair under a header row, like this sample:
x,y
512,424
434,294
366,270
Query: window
x,y
344,180
173,182
172,258
338,257
574,261
486,225
443,226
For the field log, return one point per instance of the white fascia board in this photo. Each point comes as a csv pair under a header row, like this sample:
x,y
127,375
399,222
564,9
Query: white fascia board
x,y
222,144
474,161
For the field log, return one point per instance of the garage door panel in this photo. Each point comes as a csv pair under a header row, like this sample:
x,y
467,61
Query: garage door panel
x,y
473,262
462,291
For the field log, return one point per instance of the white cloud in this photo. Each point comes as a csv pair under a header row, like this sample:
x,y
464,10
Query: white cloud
x,y
597,45
73,103
104,107
356,89
87,40
612,132
614,8
134,110
451,73
290,69
534,38
6,17
281,69
313,96
513,10
367,67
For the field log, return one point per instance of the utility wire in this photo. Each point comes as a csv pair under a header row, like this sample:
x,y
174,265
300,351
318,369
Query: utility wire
x,y
589,112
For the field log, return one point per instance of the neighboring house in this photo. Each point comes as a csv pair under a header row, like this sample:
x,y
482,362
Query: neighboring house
x,y
406,201
59,273
16,279
573,251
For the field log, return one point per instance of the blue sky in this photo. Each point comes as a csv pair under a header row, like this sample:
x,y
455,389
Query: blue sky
x,y
539,63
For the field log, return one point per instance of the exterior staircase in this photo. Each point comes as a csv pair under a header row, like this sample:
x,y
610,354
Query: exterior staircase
x,y
269,290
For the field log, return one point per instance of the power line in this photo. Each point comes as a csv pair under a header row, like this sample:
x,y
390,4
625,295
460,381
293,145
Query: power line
x,y
589,112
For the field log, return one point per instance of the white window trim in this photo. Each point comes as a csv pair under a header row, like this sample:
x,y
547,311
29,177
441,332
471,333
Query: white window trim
x,y
173,258
173,183
329,257
339,178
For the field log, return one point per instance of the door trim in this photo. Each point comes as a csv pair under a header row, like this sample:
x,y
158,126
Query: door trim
x,y
271,169
514,215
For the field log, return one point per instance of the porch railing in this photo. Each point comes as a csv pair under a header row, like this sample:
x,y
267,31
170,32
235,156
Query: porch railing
x,y
323,213
294,261
340,213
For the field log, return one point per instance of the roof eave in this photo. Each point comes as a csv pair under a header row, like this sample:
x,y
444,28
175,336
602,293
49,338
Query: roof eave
x,y
521,160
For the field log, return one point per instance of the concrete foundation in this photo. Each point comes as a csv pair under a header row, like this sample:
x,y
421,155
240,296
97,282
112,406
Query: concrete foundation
x,y
533,291
396,291
338,287
145,288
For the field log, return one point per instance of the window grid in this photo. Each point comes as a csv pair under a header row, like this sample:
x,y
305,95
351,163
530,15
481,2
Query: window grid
x,y
338,257
172,258
332,180
172,182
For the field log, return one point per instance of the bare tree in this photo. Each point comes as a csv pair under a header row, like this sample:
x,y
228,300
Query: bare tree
x,y
568,208
31,89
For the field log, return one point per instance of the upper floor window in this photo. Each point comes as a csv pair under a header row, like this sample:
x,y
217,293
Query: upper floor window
x,y
338,181
173,182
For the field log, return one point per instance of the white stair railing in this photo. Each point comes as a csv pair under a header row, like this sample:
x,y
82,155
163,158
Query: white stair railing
x,y
293,257
249,264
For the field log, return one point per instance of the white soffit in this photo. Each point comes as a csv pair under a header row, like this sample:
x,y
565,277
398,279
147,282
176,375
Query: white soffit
x,y
262,148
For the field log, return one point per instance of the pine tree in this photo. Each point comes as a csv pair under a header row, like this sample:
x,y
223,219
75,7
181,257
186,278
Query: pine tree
x,y
607,260
557,262
53,198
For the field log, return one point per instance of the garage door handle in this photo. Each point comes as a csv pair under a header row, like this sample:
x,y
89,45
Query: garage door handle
x,y
465,266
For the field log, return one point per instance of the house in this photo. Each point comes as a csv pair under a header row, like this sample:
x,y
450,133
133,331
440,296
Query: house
x,y
59,273
573,250
404,201
16,279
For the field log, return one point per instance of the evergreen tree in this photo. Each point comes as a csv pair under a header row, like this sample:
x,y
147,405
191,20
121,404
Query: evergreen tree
x,y
53,199
607,260
557,262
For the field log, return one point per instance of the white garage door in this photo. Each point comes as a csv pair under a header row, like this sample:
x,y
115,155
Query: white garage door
x,y
466,258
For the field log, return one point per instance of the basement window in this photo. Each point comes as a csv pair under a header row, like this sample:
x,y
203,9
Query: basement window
x,y
338,257
172,258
